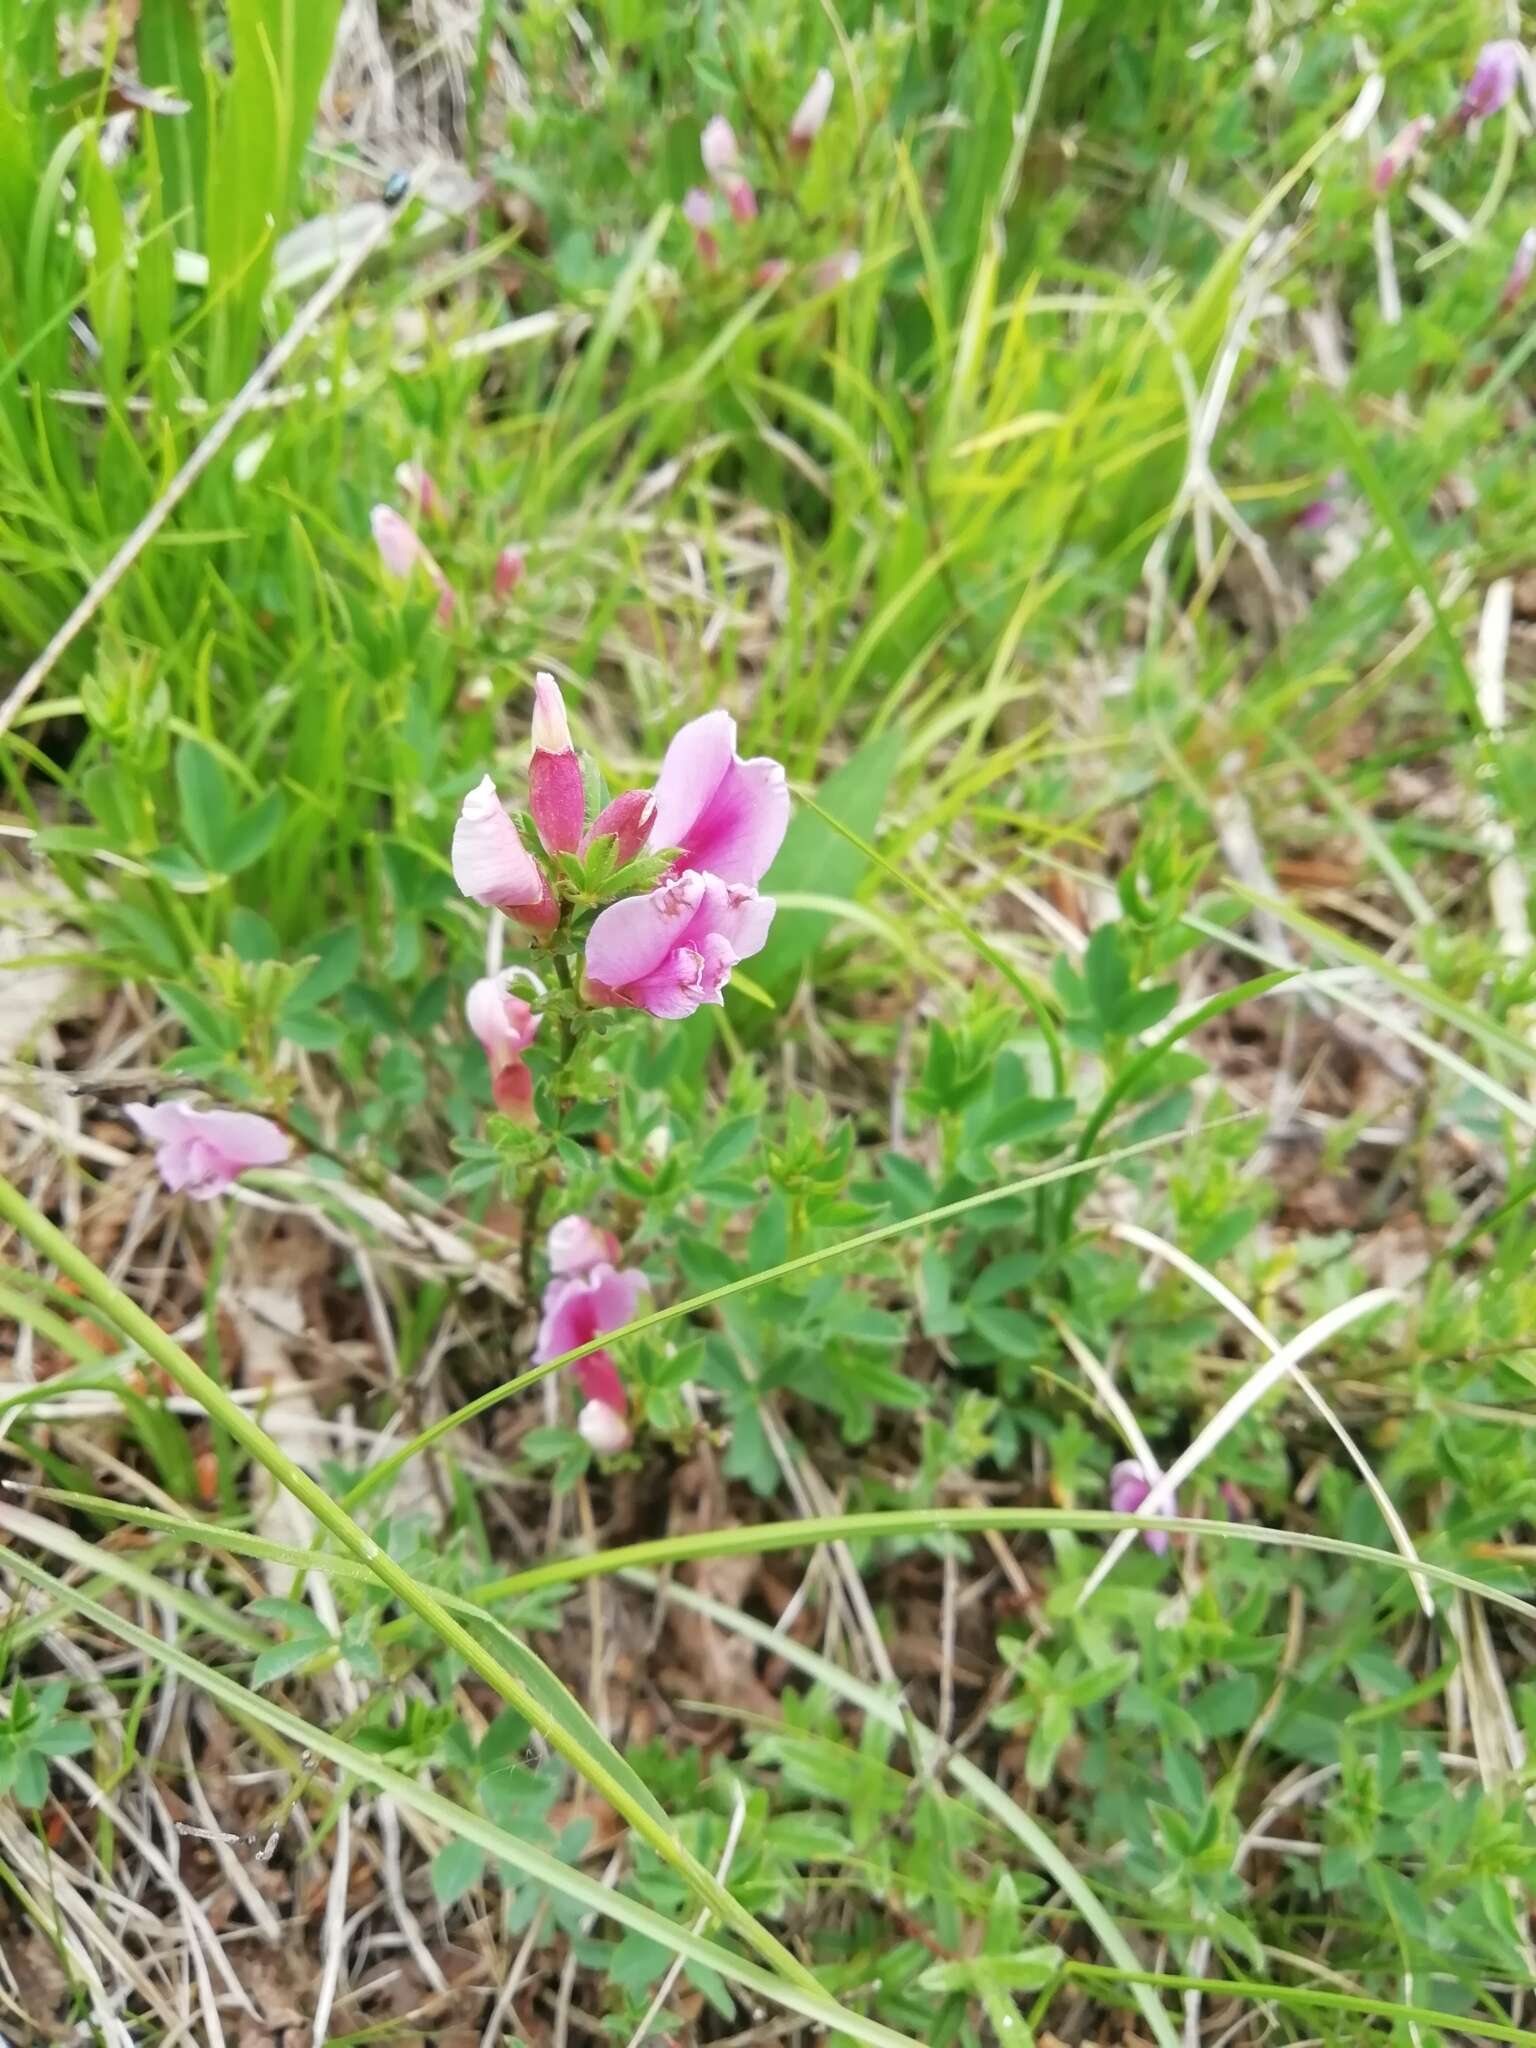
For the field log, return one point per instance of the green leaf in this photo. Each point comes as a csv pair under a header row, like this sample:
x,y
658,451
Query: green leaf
x,y
247,837
1026,1970
206,800
456,1870
278,1659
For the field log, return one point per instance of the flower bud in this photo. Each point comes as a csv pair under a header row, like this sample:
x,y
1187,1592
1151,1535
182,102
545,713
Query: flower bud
x,y
556,795
699,212
1492,84
512,1093
806,122
492,865
420,491
509,571
718,152
1519,271
603,1429
1400,151
627,821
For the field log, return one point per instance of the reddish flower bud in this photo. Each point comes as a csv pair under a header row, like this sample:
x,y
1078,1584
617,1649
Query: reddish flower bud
x,y
512,1092
556,795
808,117
509,571
627,821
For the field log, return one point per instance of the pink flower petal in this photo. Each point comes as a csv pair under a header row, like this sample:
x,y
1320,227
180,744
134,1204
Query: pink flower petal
x,y
576,1245
490,862
627,821
694,767
598,1378
741,827
632,938
603,1429
504,1024
204,1151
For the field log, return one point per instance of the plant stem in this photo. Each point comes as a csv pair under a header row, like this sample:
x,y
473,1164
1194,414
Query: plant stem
x,y
189,1376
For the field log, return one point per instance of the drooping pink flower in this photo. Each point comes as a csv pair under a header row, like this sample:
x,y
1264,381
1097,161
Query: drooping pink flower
x,y
506,1026
421,493
1492,84
627,821
203,1152
578,1309
1128,1488
402,551
557,798
492,865
1400,151
806,122
603,1429
508,573
722,160
841,268
1519,271
673,949
577,1245
727,816
699,212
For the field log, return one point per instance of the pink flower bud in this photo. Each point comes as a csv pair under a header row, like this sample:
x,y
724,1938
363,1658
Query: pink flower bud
x,y
504,1024
203,1152
1128,1488
1492,84
717,149
806,123
510,567
491,863
603,1429
556,795
699,212
512,1093
773,271
627,821
421,493
577,1245
832,271
402,551
1519,271
1400,151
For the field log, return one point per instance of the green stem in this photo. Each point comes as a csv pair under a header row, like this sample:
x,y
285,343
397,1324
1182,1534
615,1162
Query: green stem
x,y
190,1377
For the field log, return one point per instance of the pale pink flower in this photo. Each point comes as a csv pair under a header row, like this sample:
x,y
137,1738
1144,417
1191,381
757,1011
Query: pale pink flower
x,y
577,1245
492,865
806,122
722,160
578,1309
557,797
1400,151
203,1152
509,572
402,551
673,949
626,821
603,1429
1519,271
1492,84
420,492
1128,1488
506,1026
699,212
725,815
832,271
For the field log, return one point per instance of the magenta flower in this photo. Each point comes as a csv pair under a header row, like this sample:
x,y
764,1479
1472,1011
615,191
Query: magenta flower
x,y
402,551
699,212
508,573
806,122
1519,271
420,492
722,160
1400,151
203,1152
583,1307
492,865
556,796
1492,84
577,1245
727,816
604,1429
626,821
674,949
1128,1488
505,1026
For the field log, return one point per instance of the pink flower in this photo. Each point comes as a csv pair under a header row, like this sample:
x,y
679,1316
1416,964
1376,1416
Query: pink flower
x,y
505,1026
773,270
806,123
576,1246
583,1307
726,815
492,865
699,212
556,795
604,1429
420,491
674,949
205,1151
626,821
717,149
1519,271
1492,84
1400,151
832,271
402,551
508,572
1128,1488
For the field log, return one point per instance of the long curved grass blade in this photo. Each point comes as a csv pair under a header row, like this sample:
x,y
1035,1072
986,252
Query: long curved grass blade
x,y
803,1997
